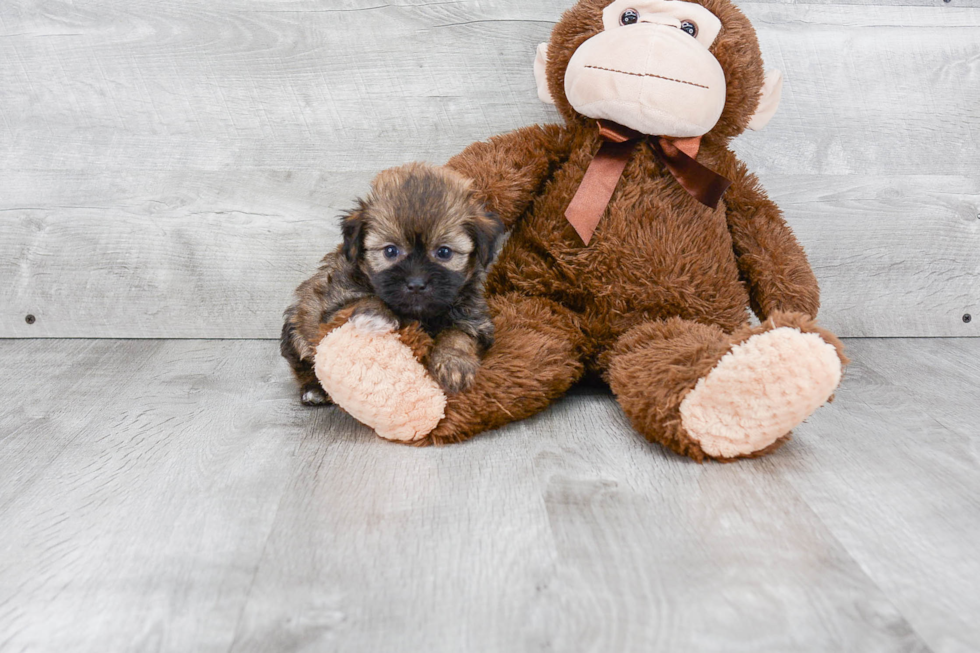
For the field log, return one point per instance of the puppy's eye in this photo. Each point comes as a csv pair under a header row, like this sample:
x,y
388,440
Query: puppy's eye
x,y
444,253
689,27
629,17
390,252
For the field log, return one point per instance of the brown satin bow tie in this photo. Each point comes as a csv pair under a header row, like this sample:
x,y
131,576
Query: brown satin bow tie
x,y
593,195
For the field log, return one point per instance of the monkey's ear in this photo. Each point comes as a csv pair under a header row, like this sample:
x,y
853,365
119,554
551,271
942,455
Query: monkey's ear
x,y
769,97
352,228
541,74
486,232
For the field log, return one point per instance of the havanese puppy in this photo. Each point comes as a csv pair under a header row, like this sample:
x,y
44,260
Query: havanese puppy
x,y
417,249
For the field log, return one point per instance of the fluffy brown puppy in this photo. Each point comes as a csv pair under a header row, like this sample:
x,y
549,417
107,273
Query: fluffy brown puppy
x,y
658,301
415,250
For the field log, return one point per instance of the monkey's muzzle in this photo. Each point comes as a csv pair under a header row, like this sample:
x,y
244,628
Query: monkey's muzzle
x,y
653,78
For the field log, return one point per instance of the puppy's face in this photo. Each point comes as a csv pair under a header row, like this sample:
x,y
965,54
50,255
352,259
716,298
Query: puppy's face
x,y
420,236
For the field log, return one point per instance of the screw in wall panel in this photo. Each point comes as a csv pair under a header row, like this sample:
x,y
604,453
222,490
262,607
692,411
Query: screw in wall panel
x,y
30,319
967,318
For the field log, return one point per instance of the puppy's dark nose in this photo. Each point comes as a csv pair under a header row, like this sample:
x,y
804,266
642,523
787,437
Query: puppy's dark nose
x,y
416,284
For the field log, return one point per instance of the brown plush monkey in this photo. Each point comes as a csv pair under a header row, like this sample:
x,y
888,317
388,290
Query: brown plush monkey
x,y
623,262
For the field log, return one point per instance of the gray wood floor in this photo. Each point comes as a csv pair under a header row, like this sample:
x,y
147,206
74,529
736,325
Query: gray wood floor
x,y
172,496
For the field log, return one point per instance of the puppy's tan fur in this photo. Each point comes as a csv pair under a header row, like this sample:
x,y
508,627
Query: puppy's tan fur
x,y
413,208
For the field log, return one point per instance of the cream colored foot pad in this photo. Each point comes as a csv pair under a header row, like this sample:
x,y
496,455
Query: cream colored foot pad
x,y
760,391
375,377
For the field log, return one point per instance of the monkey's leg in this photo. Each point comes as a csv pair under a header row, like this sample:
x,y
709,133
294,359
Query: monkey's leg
x,y
536,356
704,393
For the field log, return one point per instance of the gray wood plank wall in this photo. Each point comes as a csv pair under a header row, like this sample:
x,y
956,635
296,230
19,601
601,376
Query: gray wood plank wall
x,y
174,168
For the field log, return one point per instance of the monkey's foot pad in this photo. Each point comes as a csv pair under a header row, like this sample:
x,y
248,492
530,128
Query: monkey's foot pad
x,y
370,373
760,391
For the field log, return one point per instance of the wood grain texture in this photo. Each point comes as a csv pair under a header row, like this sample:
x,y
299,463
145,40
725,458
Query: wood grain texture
x,y
656,553
172,169
892,469
954,364
127,457
173,496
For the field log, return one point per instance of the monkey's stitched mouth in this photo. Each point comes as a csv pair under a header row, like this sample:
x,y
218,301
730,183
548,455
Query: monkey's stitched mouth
x,y
669,79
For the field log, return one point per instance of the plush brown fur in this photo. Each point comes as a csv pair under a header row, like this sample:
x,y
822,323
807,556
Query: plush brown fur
x,y
661,293
536,357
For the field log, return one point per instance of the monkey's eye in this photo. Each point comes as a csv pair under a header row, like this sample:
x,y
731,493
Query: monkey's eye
x,y
444,253
390,252
689,27
629,17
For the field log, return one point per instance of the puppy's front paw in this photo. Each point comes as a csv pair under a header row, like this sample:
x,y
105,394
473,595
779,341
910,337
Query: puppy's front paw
x,y
371,316
453,369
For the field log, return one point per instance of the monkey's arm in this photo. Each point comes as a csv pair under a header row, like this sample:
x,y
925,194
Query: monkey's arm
x,y
509,170
770,258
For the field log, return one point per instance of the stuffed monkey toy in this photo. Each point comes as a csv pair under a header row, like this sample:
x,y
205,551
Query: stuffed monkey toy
x,y
638,244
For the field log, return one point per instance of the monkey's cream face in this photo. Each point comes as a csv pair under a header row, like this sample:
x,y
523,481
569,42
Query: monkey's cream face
x,y
650,69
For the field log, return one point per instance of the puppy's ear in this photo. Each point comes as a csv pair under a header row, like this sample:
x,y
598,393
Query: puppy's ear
x,y
352,228
486,231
